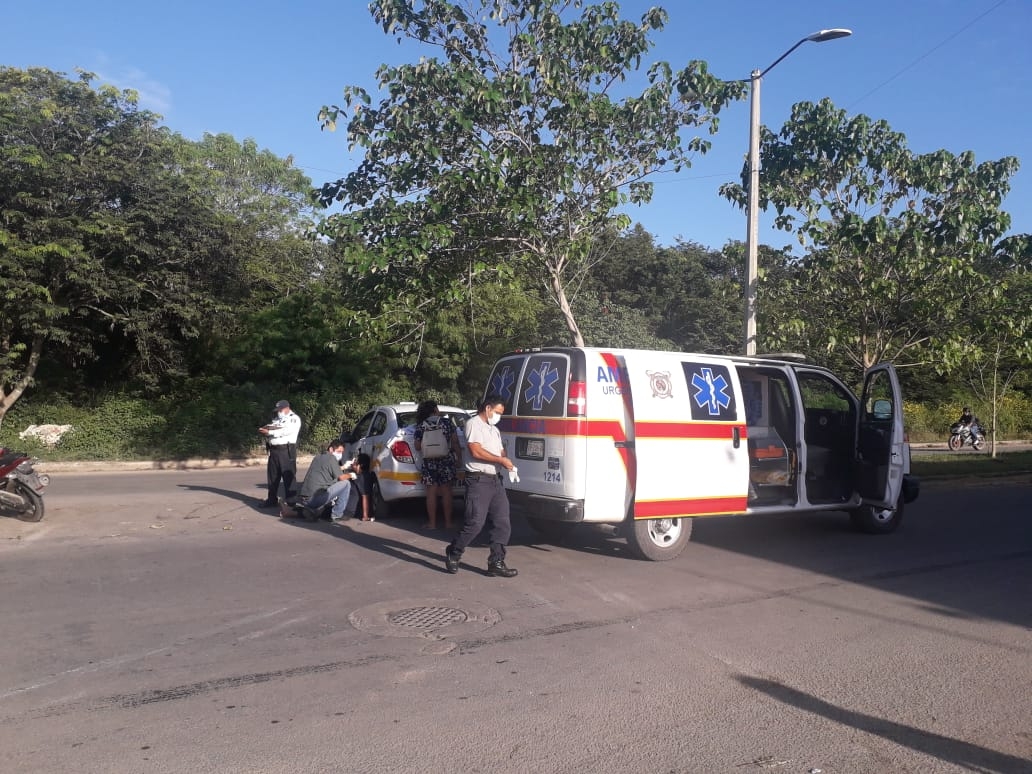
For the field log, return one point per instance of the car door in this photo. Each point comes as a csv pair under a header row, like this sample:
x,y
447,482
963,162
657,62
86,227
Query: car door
x,y
880,453
357,436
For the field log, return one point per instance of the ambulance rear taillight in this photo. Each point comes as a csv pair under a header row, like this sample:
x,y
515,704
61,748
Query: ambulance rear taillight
x,y
577,403
402,452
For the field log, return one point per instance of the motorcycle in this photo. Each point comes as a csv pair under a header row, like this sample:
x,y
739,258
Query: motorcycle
x,y
961,435
21,486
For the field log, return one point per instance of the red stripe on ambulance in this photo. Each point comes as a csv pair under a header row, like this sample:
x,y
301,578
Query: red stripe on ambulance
x,y
708,506
707,431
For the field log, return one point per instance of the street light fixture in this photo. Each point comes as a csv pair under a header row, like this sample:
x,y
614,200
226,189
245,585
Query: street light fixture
x,y
753,215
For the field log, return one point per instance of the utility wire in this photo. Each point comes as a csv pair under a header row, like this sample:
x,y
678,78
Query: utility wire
x,y
925,55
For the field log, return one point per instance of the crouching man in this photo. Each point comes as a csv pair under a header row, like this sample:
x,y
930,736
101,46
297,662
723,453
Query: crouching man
x,y
325,481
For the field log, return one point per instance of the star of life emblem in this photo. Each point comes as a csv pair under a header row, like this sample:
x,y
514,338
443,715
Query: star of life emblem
x,y
502,383
542,386
710,391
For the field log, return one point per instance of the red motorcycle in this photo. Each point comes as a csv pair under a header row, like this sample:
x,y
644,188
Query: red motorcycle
x,y
21,487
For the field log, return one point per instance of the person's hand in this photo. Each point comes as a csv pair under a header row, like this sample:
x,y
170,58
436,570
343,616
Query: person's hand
x,y
507,463
263,430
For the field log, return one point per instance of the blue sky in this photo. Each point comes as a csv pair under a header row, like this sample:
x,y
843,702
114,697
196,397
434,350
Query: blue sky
x,y
950,74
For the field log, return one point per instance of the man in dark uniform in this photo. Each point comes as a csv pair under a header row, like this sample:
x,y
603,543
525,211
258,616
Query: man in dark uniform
x,y
282,444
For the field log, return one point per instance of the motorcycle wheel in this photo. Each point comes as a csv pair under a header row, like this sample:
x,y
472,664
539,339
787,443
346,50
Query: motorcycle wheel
x,y
34,512
978,443
955,442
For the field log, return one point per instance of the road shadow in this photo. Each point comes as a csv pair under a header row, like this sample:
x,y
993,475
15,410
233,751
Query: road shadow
x,y
580,538
953,751
369,535
254,502
961,553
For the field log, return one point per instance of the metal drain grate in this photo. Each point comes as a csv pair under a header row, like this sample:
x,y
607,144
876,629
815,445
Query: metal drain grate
x,y
427,618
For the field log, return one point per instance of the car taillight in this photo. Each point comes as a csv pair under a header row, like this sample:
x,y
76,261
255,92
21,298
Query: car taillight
x,y
576,405
402,451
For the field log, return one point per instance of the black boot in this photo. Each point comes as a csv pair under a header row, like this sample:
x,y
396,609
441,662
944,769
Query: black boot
x,y
451,561
499,570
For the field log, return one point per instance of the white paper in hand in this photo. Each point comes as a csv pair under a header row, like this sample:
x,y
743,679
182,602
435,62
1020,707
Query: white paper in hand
x,y
514,475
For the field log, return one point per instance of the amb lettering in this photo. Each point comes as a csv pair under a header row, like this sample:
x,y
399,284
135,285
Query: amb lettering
x,y
609,379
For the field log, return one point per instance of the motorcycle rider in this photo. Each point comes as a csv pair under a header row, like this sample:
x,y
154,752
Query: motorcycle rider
x,y
970,421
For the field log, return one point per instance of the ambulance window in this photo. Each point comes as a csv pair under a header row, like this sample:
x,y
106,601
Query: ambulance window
x,y
819,392
543,387
878,397
503,380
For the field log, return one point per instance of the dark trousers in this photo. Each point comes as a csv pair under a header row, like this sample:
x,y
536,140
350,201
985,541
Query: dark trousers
x,y
485,499
282,465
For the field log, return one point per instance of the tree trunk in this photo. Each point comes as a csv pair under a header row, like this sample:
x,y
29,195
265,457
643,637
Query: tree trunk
x,y
992,427
8,399
559,292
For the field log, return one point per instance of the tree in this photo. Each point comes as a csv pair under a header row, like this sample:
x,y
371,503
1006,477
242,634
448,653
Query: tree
x,y
510,150
1000,340
643,295
112,251
893,239
269,206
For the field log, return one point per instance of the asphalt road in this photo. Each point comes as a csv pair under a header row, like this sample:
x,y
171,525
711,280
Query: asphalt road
x,y
158,622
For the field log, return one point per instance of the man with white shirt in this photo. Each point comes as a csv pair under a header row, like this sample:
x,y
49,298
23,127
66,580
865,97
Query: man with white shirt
x,y
485,496
281,435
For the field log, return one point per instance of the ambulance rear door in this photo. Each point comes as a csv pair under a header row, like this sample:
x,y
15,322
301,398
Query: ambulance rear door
x,y
690,437
542,436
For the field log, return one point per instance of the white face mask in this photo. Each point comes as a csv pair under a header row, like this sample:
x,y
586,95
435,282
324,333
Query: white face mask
x,y
494,419
337,455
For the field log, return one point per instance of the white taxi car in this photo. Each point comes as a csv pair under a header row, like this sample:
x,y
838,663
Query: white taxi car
x,y
387,435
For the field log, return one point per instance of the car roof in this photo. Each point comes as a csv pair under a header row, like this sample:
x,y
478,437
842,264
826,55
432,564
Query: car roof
x,y
402,407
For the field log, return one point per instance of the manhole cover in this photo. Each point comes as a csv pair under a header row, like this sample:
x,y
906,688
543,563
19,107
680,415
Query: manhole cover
x,y
427,618
432,619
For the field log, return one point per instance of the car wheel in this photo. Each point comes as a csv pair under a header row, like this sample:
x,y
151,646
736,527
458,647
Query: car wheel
x,y
381,508
658,540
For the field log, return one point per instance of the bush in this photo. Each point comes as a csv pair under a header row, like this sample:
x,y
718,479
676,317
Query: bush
x,y
208,418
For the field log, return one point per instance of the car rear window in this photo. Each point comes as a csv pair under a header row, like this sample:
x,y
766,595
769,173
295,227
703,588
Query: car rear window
x,y
406,418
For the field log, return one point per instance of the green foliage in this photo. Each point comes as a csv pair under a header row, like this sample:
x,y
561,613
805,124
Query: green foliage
x,y
509,151
894,239
123,247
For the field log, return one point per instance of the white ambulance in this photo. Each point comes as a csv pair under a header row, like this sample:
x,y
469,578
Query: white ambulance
x,y
648,440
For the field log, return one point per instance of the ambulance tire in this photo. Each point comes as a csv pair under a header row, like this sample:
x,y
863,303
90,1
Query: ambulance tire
x,y
877,521
552,531
657,540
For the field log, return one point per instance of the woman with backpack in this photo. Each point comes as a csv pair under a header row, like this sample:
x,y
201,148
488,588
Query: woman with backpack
x,y
438,442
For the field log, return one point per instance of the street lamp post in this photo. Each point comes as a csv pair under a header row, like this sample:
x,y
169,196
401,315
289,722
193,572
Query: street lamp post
x,y
752,213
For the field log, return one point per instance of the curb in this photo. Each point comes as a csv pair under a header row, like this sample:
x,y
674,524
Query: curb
x,y
112,466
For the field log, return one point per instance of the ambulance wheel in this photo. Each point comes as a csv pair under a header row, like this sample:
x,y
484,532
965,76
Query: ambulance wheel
x,y
877,521
659,539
